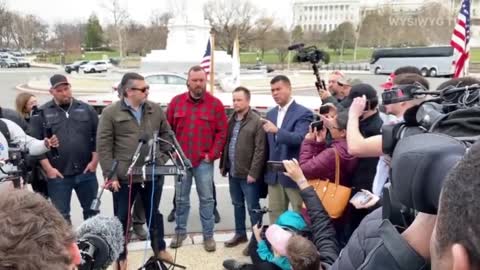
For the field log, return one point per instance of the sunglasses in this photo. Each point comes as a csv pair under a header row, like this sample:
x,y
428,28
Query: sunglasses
x,y
143,90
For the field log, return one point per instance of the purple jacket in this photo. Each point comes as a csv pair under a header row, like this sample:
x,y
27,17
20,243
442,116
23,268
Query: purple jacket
x,y
318,161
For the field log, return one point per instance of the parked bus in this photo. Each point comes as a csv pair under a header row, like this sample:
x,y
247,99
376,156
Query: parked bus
x,y
431,61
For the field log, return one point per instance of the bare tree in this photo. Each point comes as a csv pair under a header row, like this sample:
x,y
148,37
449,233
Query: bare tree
x,y
69,37
120,17
230,18
263,34
281,40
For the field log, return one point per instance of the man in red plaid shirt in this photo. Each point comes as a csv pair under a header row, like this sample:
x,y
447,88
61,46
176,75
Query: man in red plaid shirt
x,y
200,124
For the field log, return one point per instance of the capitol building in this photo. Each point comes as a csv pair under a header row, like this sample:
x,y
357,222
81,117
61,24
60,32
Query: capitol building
x,y
326,15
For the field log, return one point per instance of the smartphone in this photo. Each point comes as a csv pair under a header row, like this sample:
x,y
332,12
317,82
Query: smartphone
x,y
275,166
361,197
317,124
324,109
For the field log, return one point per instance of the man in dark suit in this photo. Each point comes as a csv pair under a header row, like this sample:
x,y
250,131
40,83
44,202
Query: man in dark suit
x,y
286,126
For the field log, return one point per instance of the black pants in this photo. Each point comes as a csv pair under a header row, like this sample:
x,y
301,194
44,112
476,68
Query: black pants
x,y
214,198
121,199
258,263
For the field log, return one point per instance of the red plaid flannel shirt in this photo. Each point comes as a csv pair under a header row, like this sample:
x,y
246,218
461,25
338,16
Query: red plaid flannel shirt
x,y
200,126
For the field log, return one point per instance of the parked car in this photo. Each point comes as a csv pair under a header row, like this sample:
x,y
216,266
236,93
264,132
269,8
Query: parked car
x,y
163,82
75,66
95,66
21,61
8,63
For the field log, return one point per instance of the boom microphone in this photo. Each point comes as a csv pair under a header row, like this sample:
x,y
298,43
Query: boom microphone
x,y
296,46
188,163
100,240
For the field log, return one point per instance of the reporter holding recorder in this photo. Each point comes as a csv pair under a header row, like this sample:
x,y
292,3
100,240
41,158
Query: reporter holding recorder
x,y
121,126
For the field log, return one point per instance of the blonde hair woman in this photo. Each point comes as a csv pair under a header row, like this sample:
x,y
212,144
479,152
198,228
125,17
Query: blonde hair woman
x,y
24,104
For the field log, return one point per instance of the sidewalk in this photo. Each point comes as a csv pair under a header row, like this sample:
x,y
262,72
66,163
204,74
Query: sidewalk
x,y
191,254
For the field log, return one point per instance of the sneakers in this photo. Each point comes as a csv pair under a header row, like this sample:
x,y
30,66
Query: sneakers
x,y
217,216
177,240
140,231
209,245
233,265
171,216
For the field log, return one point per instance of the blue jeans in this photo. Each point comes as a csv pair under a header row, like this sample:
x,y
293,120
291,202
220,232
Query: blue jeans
x,y
60,193
203,175
240,191
120,201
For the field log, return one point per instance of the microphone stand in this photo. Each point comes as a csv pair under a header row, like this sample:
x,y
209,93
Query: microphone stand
x,y
154,262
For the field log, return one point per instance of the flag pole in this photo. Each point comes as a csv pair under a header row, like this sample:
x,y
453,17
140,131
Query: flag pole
x,y
212,62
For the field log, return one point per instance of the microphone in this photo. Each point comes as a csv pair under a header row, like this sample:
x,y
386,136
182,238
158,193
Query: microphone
x,y
296,46
100,240
152,148
95,206
143,139
49,134
187,162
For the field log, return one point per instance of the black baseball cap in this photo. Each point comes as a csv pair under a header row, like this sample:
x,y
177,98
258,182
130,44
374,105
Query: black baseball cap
x,y
57,80
358,90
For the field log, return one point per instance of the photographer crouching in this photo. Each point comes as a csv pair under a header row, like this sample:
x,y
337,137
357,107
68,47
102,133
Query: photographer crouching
x,y
13,143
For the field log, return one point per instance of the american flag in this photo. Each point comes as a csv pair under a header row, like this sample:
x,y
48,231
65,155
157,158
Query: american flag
x,y
461,37
205,64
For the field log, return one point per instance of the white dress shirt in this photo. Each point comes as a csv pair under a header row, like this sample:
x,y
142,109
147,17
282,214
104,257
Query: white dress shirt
x,y
282,111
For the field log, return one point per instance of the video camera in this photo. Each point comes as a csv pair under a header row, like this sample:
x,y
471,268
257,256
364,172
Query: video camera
x,y
17,160
453,111
433,138
313,55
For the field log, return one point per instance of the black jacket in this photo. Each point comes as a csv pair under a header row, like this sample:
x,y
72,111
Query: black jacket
x,y
376,244
322,230
76,134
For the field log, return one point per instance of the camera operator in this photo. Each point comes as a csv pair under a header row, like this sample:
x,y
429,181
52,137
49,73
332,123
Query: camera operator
x,y
404,85
34,234
454,243
339,87
13,135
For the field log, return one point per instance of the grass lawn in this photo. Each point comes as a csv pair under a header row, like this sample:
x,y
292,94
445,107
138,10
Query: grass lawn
x,y
475,55
70,58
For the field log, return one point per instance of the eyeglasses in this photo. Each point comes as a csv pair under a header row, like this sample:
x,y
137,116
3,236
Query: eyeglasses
x,y
143,90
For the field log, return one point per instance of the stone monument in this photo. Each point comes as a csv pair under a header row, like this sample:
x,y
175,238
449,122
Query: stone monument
x,y
188,34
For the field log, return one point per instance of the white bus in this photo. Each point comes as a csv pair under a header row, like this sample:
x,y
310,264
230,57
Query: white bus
x,y
431,61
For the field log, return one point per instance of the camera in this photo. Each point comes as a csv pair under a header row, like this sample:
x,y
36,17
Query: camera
x,y
452,111
17,162
313,55
433,138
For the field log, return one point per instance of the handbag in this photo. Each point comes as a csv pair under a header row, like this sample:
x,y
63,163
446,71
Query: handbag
x,y
334,196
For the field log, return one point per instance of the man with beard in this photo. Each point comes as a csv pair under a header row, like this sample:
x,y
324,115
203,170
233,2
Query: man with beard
x,y
75,124
200,124
121,126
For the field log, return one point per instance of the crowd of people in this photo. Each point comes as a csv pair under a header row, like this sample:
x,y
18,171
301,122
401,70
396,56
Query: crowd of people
x,y
342,145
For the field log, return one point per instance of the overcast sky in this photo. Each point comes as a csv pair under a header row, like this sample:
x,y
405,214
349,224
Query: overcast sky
x,y
140,10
